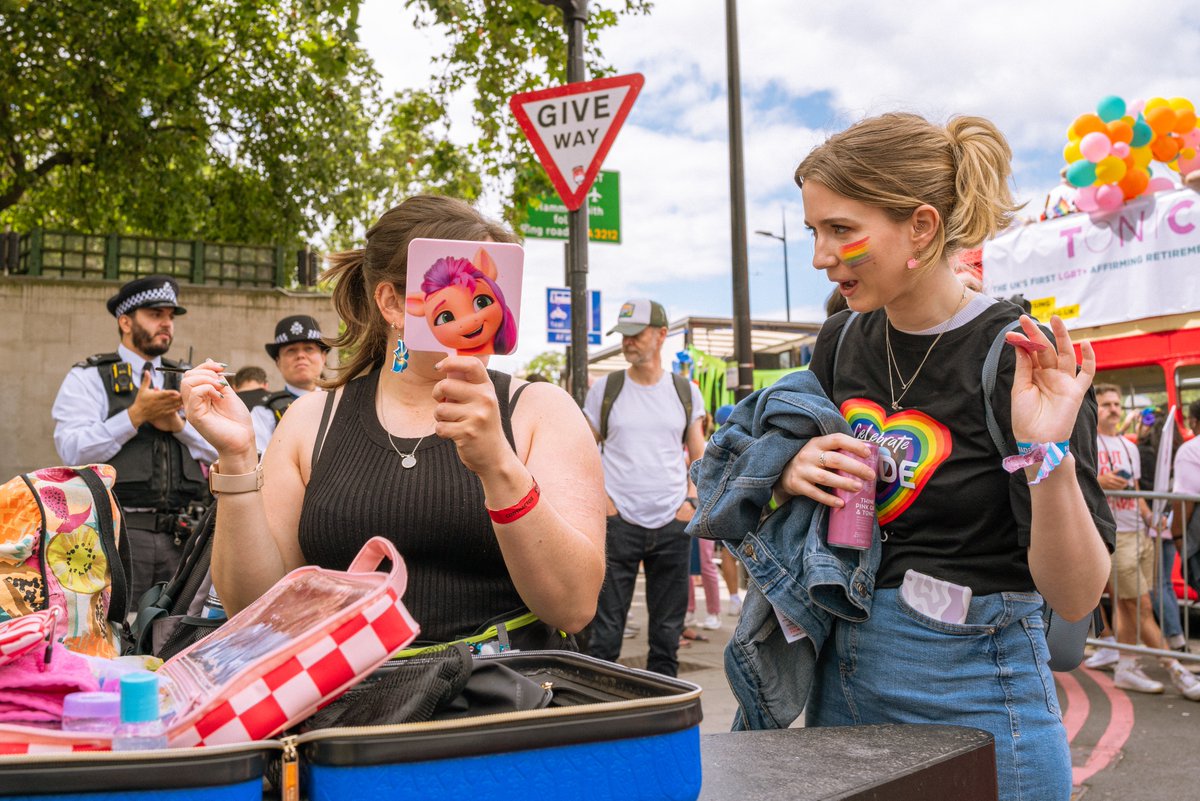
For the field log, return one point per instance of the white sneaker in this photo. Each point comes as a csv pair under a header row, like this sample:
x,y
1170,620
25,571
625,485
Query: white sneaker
x,y
1103,659
1135,680
712,623
1187,684
735,606
629,633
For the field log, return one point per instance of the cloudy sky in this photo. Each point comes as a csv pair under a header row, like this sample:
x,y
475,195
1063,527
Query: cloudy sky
x,y
809,69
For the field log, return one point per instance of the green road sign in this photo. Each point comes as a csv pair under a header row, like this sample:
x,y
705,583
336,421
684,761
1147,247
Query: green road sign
x,y
548,216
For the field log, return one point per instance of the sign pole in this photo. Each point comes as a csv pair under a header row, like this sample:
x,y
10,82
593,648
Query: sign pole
x,y
743,349
574,17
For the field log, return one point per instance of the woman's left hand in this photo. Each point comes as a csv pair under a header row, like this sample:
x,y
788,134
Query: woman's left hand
x,y
468,413
1047,389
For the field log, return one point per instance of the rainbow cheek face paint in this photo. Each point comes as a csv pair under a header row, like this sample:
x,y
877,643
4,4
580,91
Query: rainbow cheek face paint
x,y
856,253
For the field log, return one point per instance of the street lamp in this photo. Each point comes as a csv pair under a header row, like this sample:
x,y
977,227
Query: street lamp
x,y
787,292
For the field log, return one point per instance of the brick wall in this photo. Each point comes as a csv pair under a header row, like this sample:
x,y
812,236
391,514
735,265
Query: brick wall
x,y
47,325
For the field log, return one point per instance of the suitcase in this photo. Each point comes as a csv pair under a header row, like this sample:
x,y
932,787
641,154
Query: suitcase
x,y
212,773
610,732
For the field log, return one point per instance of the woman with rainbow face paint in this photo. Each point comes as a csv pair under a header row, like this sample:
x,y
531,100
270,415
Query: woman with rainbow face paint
x,y
954,514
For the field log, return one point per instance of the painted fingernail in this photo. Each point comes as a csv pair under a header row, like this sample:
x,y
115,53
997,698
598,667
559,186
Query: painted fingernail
x,y
224,383
438,366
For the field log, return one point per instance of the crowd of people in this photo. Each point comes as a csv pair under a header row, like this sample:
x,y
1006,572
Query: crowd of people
x,y
517,513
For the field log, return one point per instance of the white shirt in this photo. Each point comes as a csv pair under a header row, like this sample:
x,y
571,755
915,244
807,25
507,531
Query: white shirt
x,y
83,431
644,457
264,420
1114,454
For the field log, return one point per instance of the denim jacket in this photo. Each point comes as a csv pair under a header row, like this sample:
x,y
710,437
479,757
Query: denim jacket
x,y
791,568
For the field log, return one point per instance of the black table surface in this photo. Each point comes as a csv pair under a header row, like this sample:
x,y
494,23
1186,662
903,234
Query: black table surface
x,y
846,762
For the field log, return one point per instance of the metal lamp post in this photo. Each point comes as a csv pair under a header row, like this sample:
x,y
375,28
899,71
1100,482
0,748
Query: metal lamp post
x,y
787,292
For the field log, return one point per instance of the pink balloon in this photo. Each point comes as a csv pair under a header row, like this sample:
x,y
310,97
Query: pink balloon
x,y
1109,197
1120,150
1095,146
1189,165
1159,184
1192,138
1135,108
1085,200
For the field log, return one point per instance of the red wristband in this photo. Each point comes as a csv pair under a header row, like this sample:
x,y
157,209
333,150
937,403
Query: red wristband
x,y
518,509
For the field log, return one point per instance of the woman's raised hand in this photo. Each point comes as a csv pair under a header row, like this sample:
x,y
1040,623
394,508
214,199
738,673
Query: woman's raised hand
x,y
812,469
468,413
1047,388
216,411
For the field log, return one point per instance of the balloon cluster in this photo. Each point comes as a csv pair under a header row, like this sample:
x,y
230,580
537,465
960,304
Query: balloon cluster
x,y
1109,153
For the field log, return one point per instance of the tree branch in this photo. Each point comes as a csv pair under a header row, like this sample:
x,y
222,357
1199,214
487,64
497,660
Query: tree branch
x,y
21,183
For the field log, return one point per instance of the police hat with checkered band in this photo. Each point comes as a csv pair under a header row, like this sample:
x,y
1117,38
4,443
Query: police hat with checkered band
x,y
151,292
297,328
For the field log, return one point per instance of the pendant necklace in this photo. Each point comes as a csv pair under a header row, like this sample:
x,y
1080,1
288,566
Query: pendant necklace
x,y
894,365
407,460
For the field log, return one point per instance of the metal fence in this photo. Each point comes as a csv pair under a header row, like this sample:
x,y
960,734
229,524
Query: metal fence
x,y
115,257
1170,507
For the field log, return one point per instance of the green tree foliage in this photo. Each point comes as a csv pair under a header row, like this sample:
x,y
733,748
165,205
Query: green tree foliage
x,y
551,365
499,48
236,120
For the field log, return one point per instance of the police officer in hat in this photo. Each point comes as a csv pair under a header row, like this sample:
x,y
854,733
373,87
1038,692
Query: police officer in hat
x,y
117,408
299,352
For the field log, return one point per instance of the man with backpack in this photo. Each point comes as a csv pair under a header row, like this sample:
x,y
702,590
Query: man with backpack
x,y
649,423
119,408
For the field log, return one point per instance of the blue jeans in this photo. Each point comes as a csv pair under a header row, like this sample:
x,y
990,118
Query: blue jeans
x,y
1169,620
990,673
664,551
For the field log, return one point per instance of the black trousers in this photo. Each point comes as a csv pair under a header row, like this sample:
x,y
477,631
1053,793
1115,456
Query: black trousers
x,y
155,558
664,551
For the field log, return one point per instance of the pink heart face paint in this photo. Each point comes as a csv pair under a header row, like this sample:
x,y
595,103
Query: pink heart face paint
x,y
856,253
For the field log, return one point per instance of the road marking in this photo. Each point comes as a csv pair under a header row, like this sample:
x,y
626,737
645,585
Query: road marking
x,y
1078,705
1120,726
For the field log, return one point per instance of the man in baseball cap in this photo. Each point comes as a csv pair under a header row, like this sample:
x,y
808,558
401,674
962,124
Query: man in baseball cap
x,y
299,352
638,314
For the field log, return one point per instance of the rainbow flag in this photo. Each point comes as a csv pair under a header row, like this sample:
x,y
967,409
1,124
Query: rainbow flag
x,y
1062,207
856,253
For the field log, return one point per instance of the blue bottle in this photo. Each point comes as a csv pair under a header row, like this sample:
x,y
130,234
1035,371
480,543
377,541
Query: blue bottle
x,y
140,729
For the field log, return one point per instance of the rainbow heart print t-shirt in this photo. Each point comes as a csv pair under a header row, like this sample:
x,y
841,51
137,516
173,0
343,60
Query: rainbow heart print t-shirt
x,y
945,505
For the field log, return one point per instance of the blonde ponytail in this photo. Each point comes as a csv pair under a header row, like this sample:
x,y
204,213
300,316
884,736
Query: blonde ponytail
x,y
985,205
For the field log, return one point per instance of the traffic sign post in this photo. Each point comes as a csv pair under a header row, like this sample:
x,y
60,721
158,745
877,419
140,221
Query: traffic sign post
x,y
546,216
558,317
571,128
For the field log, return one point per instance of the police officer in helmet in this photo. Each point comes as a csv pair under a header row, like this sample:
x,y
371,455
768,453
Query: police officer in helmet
x,y
116,408
299,351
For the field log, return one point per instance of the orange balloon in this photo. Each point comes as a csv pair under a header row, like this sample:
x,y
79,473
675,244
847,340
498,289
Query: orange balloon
x,y
1161,119
1164,148
1088,123
1134,183
1121,131
1184,121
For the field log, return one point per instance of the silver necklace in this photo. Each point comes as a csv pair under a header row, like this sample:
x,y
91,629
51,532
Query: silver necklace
x,y
407,460
894,365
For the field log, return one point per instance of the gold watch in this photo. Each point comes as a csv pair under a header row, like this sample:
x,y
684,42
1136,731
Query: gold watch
x,y
223,484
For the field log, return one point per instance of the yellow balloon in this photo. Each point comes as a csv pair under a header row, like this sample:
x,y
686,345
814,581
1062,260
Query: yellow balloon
x,y
1155,102
1109,170
1187,153
1181,104
1072,136
1071,152
1141,156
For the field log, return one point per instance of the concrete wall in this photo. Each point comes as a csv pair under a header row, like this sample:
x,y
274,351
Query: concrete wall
x,y
46,325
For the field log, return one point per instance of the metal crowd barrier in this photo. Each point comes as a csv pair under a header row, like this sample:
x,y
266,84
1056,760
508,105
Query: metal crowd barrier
x,y
1164,506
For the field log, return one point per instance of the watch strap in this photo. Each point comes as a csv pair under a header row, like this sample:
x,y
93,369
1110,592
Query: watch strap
x,y
222,483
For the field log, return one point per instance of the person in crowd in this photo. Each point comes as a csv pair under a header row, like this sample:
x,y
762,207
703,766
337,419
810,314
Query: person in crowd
x,y
729,563
496,506
642,433
250,384
888,200
1162,594
703,566
1132,576
1187,481
299,351
120,409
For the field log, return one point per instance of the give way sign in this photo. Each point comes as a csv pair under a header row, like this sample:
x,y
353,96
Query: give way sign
x,y
572,127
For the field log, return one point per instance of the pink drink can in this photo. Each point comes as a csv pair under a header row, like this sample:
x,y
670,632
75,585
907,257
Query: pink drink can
x,y
852,525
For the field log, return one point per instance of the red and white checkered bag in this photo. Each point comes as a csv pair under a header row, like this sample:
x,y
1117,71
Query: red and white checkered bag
x,y
307,640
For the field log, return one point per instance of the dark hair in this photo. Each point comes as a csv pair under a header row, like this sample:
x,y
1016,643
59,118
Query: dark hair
x,y
1193,410
835,303
247,374
356,273
1103,389
537,378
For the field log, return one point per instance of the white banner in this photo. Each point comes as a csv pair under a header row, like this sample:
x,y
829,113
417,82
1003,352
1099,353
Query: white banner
x,y
1141,261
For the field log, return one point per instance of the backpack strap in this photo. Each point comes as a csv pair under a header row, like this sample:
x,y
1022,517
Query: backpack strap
x,y
837,349
323,428
612,388
115,551
683,388
991,366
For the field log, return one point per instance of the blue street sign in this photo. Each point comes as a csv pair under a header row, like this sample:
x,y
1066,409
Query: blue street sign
x,y
558,316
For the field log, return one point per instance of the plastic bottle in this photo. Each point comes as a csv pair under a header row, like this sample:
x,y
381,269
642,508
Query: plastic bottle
x,y
213,608
140,729
91,712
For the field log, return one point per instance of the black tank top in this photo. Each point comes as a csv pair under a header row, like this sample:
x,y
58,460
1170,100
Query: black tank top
x,y
433,513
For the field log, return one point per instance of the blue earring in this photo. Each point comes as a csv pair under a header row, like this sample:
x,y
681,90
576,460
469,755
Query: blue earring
x,y
399,356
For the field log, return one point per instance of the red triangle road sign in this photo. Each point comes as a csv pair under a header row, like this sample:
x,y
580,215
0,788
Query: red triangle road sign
x,y
572,127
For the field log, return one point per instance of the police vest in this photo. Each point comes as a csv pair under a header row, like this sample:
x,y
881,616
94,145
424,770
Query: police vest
x,y
154,469
278,403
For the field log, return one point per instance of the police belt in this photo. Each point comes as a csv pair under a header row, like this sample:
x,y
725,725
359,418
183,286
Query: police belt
x,y
161,522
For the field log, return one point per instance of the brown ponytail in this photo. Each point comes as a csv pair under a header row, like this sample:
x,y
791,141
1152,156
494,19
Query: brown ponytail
x,y
898,162
356,273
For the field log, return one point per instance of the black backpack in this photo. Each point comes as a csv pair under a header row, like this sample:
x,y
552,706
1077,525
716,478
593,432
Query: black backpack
x,y
612,388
